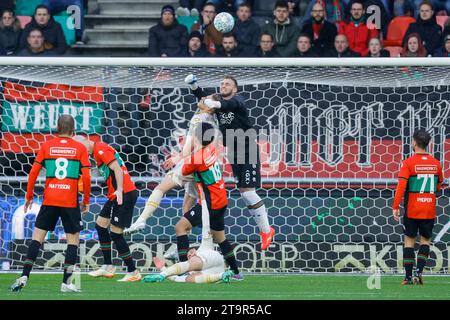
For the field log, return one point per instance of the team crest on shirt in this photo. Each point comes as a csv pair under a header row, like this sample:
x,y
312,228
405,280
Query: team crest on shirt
x,y
100,152
226,118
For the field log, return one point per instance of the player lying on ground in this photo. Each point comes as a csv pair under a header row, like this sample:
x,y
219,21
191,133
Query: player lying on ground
x,y
203,265
117,212
421,177
64,159
241,141
174,177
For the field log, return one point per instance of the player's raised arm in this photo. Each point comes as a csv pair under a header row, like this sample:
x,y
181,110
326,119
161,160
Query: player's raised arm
x,y
191,81
32,177
403,177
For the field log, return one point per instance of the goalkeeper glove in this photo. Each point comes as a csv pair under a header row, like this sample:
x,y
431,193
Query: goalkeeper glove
x,y
212,104
191,81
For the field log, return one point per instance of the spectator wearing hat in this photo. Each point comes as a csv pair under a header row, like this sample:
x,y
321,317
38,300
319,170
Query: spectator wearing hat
x,y
168,38
51,30
196,47
7,5
247,31
444,51
426,26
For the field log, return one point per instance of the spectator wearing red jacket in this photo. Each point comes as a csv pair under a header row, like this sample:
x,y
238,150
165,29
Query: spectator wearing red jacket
x,y
356,30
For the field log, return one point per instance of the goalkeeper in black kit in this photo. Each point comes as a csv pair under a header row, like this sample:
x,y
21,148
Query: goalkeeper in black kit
x,y
242,150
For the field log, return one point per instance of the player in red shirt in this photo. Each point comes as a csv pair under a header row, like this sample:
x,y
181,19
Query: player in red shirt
x,y
420,177
117,212
64,160
205,167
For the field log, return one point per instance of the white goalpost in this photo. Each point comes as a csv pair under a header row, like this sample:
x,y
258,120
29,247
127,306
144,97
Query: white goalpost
x,y
332,135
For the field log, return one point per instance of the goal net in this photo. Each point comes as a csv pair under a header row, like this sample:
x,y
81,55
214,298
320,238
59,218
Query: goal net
x,y
333,133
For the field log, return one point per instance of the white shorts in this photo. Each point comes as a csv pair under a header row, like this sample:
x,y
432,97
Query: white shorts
x,y
213,262
186,182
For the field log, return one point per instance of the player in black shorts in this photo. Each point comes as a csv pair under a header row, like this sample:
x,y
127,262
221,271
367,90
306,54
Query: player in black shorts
x,y
242,152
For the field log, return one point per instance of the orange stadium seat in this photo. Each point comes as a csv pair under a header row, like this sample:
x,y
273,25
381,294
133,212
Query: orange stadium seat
x,y
24,20
394,51
396,31
441,20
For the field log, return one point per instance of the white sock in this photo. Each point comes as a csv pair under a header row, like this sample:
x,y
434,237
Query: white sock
x,y
177,268
152,204
207,278
259,214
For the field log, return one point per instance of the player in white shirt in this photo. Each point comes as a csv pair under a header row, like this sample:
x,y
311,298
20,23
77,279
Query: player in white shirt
x,y
174,177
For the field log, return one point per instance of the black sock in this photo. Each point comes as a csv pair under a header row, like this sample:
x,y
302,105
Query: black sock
x,y
183,247
228,254
124,250
70,261
33,251
105,243
408,261
422,257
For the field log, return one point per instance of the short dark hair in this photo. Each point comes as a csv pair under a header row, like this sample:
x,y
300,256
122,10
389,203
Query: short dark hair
x,y
205,133
35,29
305,35
209,4
229,35
268,34
422,138
230,77
357,2
42,6
428,3
281,4
245,4
66,125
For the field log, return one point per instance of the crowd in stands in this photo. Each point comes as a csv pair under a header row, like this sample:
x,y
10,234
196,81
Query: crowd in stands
x,y
326,28
42,36
295,28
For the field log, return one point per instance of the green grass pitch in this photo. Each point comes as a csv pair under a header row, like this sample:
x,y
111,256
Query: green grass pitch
x,y
259,287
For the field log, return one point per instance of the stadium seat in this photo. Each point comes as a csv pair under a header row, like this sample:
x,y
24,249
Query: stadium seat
x,y
396,31
26,7
441,20
68,33
187,21
24,20
263,7
394,51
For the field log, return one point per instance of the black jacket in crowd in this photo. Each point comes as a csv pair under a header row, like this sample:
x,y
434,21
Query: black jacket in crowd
x,y
247,35
326,37
270,54
200,53
236,52
52,32
346,54
9,39
26,52
171,40
308,54
383,54
429,31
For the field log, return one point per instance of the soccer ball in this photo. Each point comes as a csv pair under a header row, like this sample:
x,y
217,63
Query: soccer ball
x,y
224,22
